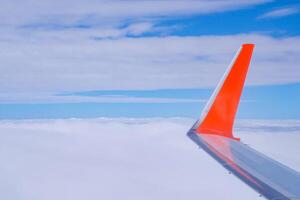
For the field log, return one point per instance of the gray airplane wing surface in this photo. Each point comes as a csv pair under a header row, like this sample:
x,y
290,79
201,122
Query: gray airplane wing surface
x,y
213,133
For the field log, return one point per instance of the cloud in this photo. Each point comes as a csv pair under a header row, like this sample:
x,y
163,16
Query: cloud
x,y
282,12
57,46
46,97
269,126
71,61
140,158
98,12
107,18
139,28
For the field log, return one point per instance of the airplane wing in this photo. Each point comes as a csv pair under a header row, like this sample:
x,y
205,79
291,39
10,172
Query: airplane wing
x,y
213,133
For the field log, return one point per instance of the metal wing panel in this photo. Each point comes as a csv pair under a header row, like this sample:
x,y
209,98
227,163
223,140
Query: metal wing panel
x,y
268,177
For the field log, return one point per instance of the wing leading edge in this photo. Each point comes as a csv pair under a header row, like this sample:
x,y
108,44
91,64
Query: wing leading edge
x,y
213,133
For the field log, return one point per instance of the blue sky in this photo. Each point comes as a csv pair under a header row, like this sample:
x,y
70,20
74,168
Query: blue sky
x,y
258,102
145,58
241,21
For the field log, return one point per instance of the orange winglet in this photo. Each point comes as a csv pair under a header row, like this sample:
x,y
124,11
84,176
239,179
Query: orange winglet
x,y
219,113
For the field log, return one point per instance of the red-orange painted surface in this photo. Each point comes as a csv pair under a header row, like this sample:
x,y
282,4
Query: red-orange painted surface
x,y
220,117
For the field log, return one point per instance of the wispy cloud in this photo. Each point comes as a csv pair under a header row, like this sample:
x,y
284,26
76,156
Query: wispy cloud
x,y
46,97
105,12
107,18
281,12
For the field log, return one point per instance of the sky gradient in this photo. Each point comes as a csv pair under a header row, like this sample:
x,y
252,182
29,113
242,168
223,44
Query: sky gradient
x,y
145,58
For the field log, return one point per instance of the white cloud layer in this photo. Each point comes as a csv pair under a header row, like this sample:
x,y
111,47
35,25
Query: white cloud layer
x,y
132,158
69,60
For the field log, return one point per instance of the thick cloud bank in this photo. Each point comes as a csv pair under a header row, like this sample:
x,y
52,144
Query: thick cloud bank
x,y
127,159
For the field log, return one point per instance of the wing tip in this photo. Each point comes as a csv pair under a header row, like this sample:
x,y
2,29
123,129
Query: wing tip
x,y
221,109
248,45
